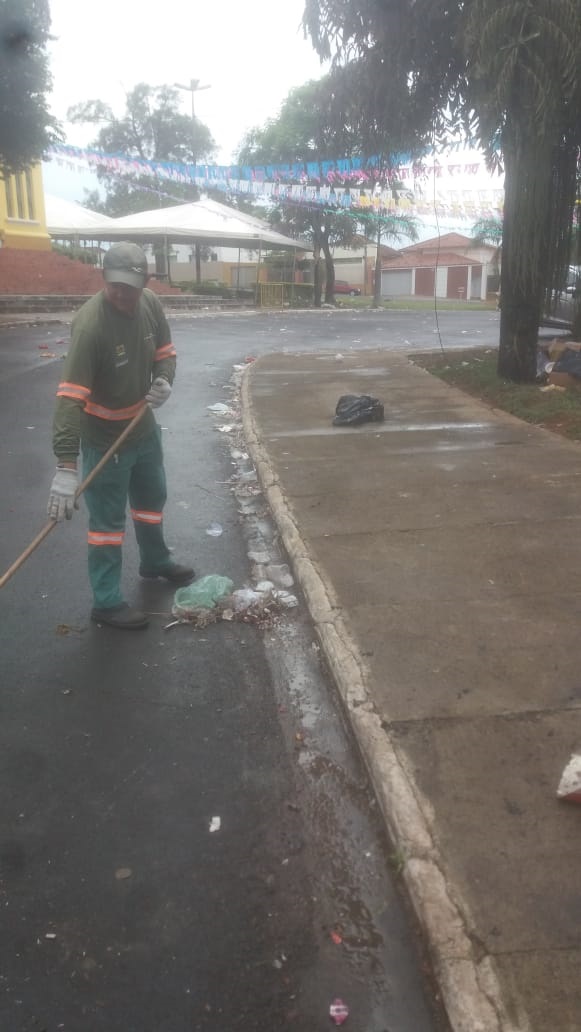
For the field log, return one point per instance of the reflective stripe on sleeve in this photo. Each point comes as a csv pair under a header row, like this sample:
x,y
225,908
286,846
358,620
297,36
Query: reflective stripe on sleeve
x,y
105,537
165,351
76,391
142,516
114,414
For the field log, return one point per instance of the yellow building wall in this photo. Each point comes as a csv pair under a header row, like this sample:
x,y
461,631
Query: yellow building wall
x,y
22,212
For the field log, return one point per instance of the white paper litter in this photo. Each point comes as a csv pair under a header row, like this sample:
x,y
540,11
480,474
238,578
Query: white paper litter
x,y
243,598
286,599
570,783
219,407
265,585
215,529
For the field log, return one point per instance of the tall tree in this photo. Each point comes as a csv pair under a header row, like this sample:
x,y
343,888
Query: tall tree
x,y
324,229
526,84
26,127
509,70
320,121
151,127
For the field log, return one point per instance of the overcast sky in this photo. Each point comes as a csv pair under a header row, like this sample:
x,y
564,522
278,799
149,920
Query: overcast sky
x,y
249,53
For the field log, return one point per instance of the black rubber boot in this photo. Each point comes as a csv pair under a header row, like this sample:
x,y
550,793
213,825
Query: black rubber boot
x,y
173,572
124,617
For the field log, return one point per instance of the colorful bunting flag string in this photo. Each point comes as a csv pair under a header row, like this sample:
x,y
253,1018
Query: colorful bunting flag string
x,y
335,185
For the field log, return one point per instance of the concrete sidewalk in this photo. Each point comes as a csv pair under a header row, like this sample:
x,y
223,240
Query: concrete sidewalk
x,y
438,553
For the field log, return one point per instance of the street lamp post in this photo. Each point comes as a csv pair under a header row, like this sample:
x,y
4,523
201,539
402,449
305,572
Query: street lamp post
x,y
194,88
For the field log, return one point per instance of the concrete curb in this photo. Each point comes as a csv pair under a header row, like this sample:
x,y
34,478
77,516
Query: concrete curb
x,y
468,982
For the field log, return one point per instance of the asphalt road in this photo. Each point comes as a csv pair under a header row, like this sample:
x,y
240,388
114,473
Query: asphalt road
x,y
121,909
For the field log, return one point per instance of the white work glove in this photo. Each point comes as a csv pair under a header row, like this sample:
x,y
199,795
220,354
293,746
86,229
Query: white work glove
x,y
61,500
159,392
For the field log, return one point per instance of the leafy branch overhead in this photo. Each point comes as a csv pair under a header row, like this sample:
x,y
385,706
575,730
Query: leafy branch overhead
x,y
26,128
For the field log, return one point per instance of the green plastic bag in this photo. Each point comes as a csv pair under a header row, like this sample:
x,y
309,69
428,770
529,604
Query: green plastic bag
x,y
202,594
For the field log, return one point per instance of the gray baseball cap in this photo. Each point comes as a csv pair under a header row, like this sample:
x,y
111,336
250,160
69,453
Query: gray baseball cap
x,y
126,263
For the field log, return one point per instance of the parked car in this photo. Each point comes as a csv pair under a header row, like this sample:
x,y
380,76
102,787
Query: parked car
x,y
563,303
343,287
573,279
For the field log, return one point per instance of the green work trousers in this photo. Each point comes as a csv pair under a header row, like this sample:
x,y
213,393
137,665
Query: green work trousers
x,y
137,474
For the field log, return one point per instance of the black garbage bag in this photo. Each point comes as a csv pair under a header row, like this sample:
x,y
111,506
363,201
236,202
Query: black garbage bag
x,y
353,409
569,362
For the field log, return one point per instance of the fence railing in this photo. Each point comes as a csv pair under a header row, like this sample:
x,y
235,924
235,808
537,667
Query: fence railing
x,y
281,295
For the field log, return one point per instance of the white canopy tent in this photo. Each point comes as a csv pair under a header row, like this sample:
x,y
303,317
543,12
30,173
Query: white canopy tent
x,y
68,220
200,222
204,221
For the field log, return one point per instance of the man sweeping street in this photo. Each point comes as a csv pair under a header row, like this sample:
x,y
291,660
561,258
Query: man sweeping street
x,y
121,360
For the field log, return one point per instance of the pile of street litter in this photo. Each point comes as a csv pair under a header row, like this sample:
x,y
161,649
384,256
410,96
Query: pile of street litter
x,y
559,364
213,598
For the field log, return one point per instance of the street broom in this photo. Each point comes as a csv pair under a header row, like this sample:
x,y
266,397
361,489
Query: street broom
x,y
82,487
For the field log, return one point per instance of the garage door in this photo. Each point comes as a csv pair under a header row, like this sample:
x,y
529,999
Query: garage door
x,y
457,281
396,283
425,279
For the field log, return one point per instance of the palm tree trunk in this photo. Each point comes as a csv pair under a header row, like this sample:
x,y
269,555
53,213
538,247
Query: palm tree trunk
x,y
519,328
520,293
329,269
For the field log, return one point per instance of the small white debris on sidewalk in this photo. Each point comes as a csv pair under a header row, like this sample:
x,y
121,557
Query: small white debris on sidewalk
x,y
570,784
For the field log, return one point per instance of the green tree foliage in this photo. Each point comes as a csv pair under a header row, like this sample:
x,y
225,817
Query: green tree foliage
x,y
321,228
525,66
151,127
318,121
488,230
409,63
26,127
326,118
507,70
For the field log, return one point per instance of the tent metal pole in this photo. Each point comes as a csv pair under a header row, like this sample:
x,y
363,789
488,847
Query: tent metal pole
x,y
167,260
257,284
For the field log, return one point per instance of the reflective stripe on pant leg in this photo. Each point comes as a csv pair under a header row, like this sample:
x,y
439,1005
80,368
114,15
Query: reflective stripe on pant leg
x,y
147,496
106,500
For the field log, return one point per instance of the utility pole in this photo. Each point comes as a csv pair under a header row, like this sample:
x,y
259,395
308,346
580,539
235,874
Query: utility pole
x,y
377,278
194,88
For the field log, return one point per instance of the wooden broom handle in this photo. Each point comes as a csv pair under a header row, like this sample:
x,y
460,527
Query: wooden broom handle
x,y
82,487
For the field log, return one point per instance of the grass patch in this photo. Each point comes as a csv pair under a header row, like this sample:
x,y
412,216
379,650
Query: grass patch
x,y
415,304
475,373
